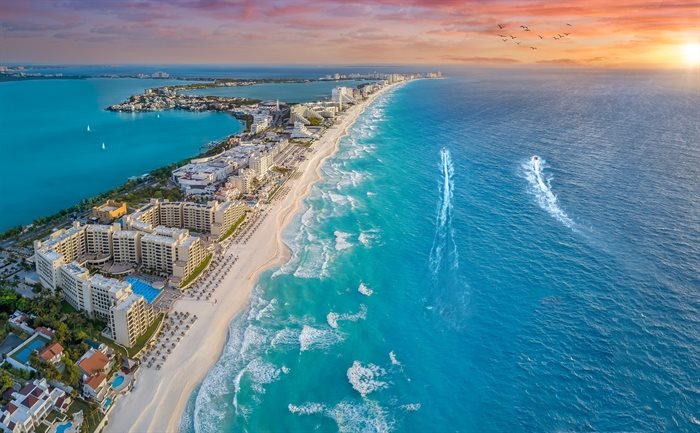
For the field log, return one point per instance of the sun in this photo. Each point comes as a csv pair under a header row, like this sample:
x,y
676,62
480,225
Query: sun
x,y
692,53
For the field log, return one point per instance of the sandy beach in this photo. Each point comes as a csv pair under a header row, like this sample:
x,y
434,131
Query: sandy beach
x,y
160,396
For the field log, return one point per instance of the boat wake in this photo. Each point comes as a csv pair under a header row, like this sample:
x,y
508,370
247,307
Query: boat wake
x,y
450,294
444,246
540,186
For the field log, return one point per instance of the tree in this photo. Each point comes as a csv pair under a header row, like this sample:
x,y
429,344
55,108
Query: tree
x,y
6,381
71,373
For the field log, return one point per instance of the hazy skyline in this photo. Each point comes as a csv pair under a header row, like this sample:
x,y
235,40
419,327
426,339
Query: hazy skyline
x,y
603,33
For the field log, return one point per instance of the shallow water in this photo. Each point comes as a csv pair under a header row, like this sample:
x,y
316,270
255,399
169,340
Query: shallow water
x,y
473,290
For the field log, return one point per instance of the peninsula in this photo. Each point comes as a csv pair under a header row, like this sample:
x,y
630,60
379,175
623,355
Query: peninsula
x,y
160,280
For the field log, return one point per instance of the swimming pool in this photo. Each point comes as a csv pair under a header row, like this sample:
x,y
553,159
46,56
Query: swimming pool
x,y
36,343
144,289
117,382
64,427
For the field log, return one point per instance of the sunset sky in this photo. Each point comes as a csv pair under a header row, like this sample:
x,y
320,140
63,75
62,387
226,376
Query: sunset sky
x,y
653,33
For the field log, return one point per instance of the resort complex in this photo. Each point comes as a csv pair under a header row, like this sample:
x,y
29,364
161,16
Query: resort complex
x,y
122,267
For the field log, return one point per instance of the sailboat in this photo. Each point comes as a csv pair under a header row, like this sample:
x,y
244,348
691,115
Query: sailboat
x,y
104,147
88,128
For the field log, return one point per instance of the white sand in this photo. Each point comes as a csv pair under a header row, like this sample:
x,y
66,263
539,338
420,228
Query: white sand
x,y
160,397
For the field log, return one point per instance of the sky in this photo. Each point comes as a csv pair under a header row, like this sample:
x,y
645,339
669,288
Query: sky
x,y
602,33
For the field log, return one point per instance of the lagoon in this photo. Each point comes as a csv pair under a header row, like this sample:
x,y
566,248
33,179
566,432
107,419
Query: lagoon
x,y
51,160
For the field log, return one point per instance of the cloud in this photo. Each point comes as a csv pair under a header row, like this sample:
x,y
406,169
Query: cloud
x,y
478,59
559,62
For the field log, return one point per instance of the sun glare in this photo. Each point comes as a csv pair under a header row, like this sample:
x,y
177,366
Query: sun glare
x,y
692,53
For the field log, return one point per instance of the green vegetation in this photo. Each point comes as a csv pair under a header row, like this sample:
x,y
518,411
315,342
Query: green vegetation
x,y
234,227
91,414
142,340
315,122
6,380
198,270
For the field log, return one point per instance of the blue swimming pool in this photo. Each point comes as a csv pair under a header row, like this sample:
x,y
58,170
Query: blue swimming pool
x,y
144,289
22,355
107,403
117,382
64,427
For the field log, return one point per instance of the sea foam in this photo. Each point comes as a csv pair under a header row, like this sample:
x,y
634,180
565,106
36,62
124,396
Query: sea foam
x,y
365,379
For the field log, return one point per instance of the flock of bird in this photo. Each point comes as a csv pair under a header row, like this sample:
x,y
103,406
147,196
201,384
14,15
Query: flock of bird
x,y
527,29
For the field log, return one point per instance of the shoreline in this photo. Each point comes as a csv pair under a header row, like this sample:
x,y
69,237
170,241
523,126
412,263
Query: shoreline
x,y
158,402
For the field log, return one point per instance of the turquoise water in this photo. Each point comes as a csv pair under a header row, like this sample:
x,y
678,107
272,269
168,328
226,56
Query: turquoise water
x,y
50,160
64,427
116,383
36,344
144,289
107,403
286,92
478,289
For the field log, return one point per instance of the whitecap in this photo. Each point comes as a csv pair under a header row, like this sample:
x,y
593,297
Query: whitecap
x,y
341,240
314,338
261,373
393,359
365,290
365,379
411,407
333,318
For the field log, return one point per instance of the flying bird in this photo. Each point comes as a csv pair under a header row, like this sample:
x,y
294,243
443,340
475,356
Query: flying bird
x,y
527,30
555,37
505,40
533,48
569,25
541,37
512,37
567,34
503,36
517,43
500,26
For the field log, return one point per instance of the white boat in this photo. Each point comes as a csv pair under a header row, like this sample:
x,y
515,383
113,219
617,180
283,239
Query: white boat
x,y
158,116
88,128
104,147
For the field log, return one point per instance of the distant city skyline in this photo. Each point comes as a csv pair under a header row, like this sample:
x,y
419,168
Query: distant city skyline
x,y
639,33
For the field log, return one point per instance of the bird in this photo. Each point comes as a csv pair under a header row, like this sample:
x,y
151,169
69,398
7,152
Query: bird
x,y
541,37
522,27
567,34
555,37
505,40
517,43
569,25
560,36
527,29
533,48
501,26
512,37
503,36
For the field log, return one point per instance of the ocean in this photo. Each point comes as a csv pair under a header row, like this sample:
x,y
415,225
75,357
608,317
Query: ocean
x,y
443,279
50,159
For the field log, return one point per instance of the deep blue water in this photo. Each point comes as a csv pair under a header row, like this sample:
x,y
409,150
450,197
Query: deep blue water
x,y
507,294
51,161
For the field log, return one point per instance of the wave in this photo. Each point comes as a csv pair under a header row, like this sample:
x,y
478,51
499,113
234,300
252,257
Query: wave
x,y
341,240
366,416
365,290
333,318
314,338
393,359
369,238
540,187
365,379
